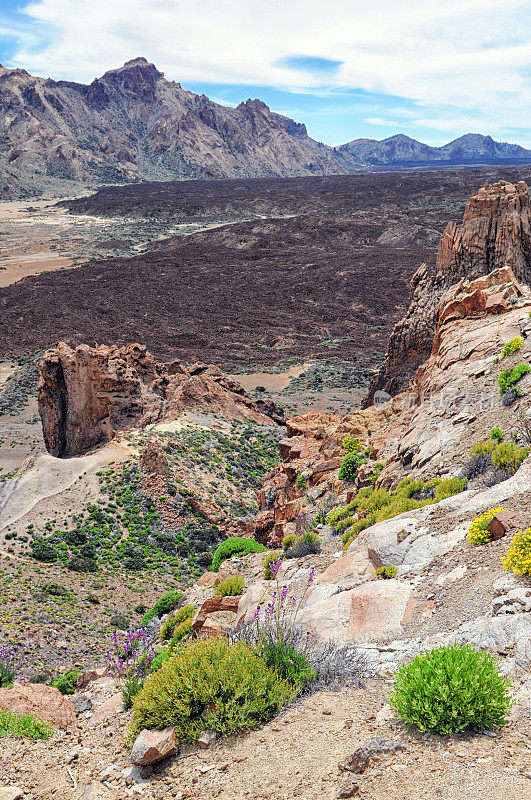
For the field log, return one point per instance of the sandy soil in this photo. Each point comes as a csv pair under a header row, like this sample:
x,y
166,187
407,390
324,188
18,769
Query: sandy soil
x,y
323,730
17,267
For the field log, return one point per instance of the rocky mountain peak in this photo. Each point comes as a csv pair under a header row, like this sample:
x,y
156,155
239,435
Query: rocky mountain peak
x,y
138,76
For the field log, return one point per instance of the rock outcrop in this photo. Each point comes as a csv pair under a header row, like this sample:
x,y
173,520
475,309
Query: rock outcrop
x,y
495,234
87,394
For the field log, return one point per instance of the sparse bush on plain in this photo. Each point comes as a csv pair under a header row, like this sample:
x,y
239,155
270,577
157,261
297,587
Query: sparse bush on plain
x,y
451,689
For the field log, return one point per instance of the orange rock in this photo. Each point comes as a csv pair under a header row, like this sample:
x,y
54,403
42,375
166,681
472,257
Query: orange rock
x,y
44,702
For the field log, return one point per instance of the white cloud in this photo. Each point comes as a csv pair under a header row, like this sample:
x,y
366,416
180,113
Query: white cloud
x,y
472,58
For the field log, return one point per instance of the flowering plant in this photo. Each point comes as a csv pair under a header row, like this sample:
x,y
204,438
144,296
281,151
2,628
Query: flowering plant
x,y
9,660
274,634
130,662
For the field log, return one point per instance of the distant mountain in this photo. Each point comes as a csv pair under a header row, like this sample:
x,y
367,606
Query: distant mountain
x,y
400,151
132,124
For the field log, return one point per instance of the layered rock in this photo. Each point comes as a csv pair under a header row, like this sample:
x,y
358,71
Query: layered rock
x,y
87,394
495,233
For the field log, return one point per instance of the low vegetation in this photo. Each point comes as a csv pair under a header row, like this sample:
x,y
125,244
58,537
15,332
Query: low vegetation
x,y
375,505
451,689
210,684
478,532
518,557
23,726
231,586
235,546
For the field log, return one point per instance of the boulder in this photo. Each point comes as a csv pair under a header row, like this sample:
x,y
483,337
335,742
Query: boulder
x,y
44,702
373,611
152,746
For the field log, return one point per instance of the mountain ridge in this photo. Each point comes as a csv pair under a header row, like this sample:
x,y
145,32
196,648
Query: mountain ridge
x,y
133,124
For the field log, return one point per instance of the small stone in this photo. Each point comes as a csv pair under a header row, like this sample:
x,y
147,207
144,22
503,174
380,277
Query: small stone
x,y
153,746
206,738
385,714
349,790
362,756
81,704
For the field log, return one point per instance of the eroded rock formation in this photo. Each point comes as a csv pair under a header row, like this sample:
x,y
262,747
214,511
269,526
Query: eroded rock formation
x,y
87,394
495,233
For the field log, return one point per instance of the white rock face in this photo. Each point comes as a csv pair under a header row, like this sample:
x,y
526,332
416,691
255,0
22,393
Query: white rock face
x,y
372,611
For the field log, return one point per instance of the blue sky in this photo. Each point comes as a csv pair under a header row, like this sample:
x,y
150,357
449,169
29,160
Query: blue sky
x,y
346,68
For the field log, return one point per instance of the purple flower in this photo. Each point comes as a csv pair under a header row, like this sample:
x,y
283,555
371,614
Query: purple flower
x,y
283,593
257,612
311,576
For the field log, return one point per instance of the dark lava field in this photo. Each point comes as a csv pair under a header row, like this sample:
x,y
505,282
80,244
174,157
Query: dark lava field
x,y
321,268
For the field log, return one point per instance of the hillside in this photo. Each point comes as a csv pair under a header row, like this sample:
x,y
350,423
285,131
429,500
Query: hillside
x,y
183,458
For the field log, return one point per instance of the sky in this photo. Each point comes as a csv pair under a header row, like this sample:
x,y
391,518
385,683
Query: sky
x,y
347,68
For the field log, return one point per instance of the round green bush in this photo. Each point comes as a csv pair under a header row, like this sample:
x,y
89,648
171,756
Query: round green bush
x,y
235,546
210,684
451,689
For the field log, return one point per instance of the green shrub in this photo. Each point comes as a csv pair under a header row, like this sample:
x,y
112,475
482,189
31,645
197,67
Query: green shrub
x,y
482,448
376,505
166,603
306,544
235,546
231,586
169,626
509,456
496,434
290,665
451,689
351,464
55,590
23,726
388,571
449,487
182,631
267,575
287,541
82,564
509,377
356,529
43,550
67,683
512,347
518,557
210,684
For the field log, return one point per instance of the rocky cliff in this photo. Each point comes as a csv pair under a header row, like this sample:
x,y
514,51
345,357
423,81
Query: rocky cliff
x,y
88,394
495,233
